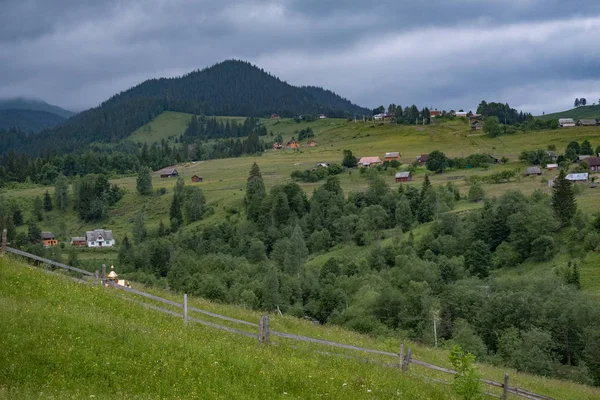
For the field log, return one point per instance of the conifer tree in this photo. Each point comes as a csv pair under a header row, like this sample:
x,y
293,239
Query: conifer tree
x,y
144,181
34,234
38,208
61,192
139,228
563,199
255,193
175,214
404,216
47,202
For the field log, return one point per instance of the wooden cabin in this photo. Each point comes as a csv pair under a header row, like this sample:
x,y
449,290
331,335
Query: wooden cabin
x,y
196,179
48,239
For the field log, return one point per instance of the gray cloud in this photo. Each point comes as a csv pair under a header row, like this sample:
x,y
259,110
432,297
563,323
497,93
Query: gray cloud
x,y
537,55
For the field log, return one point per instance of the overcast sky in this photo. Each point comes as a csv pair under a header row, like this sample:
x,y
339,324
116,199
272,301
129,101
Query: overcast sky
x,y
537,55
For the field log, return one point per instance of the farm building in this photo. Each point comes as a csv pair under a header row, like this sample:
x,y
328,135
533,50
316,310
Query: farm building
x,y
48,239
394,155
582,157
274,116
566,122
493,159
311,143
196,178
422,159
587,122
78,241
533,171
435,113
168,172
99,238
476,126
369,161
594,163
322,116
551,167
576,178
403,176
277,146
293,144
462,114
321,165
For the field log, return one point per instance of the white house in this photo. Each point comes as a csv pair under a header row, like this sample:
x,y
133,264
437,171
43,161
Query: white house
x,y
99,238
462,114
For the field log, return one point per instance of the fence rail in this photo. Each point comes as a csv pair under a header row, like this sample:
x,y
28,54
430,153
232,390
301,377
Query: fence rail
x,y
264,333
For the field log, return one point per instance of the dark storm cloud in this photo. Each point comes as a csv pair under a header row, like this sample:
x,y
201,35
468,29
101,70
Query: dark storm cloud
x,y
534,54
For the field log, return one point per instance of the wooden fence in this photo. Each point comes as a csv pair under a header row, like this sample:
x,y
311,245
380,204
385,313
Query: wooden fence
x,y
263,333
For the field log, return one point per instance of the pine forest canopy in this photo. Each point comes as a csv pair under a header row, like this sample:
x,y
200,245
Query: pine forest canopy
x,y
230,88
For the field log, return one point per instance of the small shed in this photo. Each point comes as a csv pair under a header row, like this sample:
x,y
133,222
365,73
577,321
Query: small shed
x,y
196,178
393,155
311,143
551,167
422,159
533,171
293,144
78,241
274,116
48,239
566,122
587,122
169,172
322,165
277,146
476,126
404,176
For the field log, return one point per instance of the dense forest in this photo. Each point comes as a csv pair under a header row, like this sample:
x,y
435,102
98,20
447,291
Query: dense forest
x,y
28,120
230,88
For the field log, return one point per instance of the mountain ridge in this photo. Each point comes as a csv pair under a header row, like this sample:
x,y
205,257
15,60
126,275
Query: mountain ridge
x,y
33,104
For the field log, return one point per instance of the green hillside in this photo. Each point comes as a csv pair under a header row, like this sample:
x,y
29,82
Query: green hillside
x,y
22,103
583,112
28,120
66,340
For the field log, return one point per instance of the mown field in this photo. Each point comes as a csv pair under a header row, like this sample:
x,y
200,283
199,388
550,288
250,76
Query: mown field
x,y
585,112
62,339
225,179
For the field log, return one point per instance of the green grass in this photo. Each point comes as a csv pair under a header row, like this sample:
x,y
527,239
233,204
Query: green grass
x,y
66,340
585,112
62,339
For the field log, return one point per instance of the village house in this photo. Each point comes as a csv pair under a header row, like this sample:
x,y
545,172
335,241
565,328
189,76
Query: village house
x,y
196,179
533,171
435,113
169,172
78,241
48,239
587,122
476,126
422,159
551,167
566,122
99,238
394,155
369,161
463,114
277,146
581,177
582,157
594,163
293,144
311,143
274,116
322,116
403,176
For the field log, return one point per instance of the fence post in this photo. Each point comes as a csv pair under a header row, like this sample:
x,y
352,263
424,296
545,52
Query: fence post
x,y
260,329
185,309
97,274
263,329
406,361
400,355
267,331
505,388
4,233
103,274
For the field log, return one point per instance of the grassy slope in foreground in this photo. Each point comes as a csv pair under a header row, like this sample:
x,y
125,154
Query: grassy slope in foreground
x,y
90,342
585,112
66,340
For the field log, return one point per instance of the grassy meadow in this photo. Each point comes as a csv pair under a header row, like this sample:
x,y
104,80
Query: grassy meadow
x,y
584,112
63,339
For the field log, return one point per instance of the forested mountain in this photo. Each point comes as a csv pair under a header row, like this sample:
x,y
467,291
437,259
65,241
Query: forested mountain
x,y
28,120
228,88
22,103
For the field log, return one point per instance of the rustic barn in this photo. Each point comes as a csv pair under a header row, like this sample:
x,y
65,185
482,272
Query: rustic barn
x,y
587,122
422,159
566,122
311,143
403,176
533,171
369,161
394,155
78,241
594,163
551,167
293,144
196,178
168,173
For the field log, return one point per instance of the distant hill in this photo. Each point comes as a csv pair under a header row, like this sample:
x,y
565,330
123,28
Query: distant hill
x,y
584,112
28,120
229,88
22,103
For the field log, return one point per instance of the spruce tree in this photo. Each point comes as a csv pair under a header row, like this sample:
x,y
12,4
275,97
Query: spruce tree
x,y
175,214
38,208
17,216
404,216
427,202
61,192
47,201
139,228
34,234
563,199
144,181
255,193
